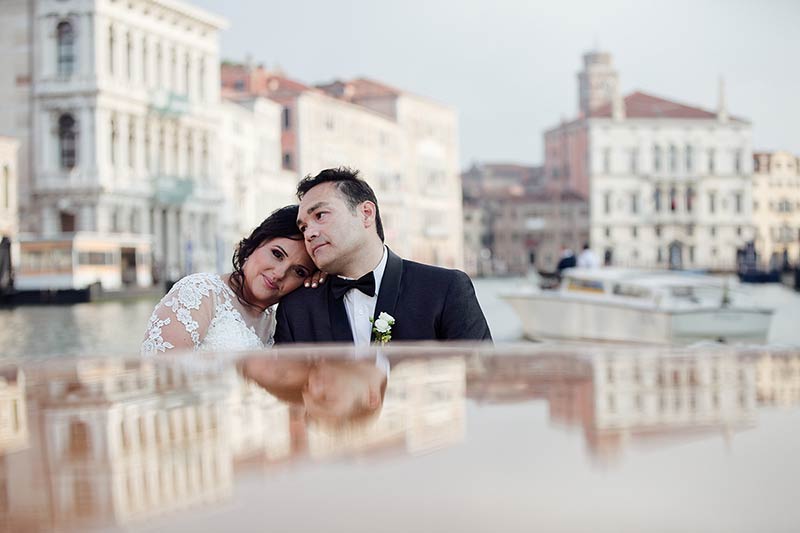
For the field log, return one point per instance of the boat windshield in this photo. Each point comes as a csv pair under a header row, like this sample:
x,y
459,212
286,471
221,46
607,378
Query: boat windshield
x,y
585,285
631,291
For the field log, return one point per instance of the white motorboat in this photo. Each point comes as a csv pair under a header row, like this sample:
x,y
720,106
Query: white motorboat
x,y
640,306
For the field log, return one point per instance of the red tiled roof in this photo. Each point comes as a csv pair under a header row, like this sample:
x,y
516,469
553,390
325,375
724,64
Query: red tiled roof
x,y
358,89
281,84
366,88
643,105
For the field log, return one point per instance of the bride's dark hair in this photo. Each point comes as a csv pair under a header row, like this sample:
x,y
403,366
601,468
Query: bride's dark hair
x,y
280,223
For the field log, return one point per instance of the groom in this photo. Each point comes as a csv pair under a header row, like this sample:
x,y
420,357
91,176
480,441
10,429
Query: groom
x,y
343,233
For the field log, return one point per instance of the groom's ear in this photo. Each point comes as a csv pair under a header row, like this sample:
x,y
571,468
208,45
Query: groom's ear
x,y
366,211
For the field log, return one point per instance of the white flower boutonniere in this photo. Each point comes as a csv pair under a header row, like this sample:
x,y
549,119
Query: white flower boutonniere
x,y
382,328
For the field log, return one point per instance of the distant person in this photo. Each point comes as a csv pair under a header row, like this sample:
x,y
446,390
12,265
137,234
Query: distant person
x,y
340,220
235,311
567,260
587,258
608,257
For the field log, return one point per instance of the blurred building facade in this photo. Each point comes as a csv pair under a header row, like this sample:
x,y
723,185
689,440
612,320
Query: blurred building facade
x,y
514,222
116,114
115,442
530,231
253,181
404,145
669,185
776,205
13,410
9,217
778,379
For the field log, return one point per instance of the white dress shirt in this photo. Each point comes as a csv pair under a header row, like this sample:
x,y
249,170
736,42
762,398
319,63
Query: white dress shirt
x,y
360,307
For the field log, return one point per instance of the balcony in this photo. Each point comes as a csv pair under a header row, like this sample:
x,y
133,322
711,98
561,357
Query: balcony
x,y
169,104
172,190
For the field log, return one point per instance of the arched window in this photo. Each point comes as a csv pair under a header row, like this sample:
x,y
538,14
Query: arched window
x,y
114,141
132,143
6,187
67,141
129,56
148,157
112,50
190,170
176,145
159,65
204,171
673,199
656,158
145,66
162,151
187,73
66,49
201,79
689,156
673,159
173,71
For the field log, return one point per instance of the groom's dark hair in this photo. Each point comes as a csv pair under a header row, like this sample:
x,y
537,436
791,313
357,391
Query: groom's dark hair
x,y
353,189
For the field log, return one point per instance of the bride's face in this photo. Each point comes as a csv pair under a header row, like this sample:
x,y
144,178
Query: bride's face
x,y
275,269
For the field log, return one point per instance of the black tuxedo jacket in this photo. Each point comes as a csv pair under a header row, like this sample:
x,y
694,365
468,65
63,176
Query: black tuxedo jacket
x,y
427,303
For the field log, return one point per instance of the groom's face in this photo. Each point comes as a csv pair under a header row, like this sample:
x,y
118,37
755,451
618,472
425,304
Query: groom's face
x,y
333,232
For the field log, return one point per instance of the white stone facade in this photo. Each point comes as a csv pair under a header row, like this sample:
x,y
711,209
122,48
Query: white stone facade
x,y
117,113
404,146
407,149
672,213
669,185
776,206
8,188
253,181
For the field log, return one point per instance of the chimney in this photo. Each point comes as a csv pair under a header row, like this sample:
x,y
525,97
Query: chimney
x,y
617,105
722,110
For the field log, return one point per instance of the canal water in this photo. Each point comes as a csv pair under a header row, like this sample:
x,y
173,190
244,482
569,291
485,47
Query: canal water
x,y
117,328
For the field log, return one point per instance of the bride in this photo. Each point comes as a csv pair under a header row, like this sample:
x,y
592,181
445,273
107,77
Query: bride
x,y
235,311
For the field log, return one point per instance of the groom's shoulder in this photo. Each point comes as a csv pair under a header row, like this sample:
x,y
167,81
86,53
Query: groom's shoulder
x,y
432,272
302,297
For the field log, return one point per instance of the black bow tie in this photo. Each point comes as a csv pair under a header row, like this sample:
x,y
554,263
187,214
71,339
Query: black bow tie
x,y
366,284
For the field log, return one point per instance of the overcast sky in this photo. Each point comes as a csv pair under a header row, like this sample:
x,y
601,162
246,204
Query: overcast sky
x,y
509,66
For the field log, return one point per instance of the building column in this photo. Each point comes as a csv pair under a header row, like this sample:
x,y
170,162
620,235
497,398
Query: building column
x,y
155,229
49,156
180,152
85,44
137,167
48,54
172,244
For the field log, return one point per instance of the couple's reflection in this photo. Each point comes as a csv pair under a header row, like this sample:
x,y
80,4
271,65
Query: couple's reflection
x,y
331,391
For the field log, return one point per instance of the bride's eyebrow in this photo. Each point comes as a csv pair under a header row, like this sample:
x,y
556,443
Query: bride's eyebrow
x,y
278,246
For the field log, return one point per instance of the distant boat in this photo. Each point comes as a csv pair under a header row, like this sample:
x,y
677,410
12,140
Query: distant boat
x,y
640,306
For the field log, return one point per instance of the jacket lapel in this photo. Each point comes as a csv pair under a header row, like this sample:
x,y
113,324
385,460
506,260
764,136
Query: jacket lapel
x,y
340,326
389,290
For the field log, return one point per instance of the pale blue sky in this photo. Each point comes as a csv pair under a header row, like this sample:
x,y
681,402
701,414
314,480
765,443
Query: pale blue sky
x,y
509,66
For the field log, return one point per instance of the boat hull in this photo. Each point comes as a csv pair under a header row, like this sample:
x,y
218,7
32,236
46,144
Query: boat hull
x,y
546,316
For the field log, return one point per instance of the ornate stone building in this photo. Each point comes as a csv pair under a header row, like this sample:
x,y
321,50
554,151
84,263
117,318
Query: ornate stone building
x,y
669,184
776,206
116,106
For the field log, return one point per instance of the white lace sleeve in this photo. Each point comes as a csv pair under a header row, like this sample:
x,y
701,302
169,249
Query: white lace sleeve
x,y
181,319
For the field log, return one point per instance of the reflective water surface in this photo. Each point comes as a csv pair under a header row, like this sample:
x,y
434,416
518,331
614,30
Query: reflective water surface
x,y
411,437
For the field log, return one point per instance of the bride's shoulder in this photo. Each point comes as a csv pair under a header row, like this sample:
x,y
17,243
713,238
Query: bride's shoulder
x,y
190,290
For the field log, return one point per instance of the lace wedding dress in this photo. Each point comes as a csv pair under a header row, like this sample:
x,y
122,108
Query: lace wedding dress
x,y
202,311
